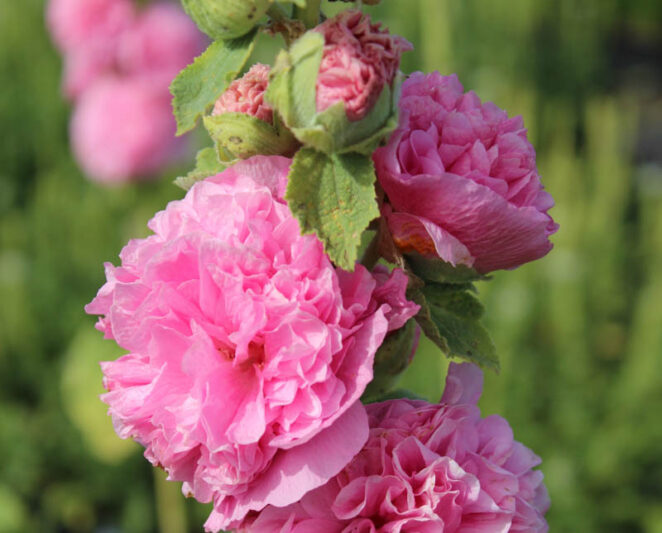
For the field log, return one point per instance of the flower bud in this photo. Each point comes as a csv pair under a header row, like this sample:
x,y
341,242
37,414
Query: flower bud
x,y
226,19
242,123
336,87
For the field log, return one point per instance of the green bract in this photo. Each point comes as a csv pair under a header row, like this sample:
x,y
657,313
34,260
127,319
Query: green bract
x,y
226,19
292,93
240,136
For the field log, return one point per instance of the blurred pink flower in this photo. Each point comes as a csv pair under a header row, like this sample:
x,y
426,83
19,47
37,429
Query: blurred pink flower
x,y
462,181
161,42
123,129
248,350
246,95
426,468
76,24
359,60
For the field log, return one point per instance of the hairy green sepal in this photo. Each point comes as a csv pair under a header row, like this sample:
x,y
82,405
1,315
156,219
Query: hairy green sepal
x,y
292,93
333,196
199,85
206,164
241,136
450,317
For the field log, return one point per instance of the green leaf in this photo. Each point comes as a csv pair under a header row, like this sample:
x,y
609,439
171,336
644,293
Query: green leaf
x,y
206,164
199,85
439,271
455,312
334,197
298,3
245,136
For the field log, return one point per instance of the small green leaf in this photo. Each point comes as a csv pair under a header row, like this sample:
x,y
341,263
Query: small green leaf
x,y
439,271
199,85
425,321
206,164
456,312
334,197
245,136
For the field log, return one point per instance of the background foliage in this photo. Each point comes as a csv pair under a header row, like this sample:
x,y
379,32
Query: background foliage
x,y
579,333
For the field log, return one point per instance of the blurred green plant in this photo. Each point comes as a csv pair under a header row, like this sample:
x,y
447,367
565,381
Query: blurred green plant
x,y
579,333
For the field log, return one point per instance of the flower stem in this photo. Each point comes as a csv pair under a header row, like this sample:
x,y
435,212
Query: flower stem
x,y
309,15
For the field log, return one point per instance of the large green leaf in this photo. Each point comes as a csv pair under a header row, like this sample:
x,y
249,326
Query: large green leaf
x,y
199,85
333,197
451,318
206,164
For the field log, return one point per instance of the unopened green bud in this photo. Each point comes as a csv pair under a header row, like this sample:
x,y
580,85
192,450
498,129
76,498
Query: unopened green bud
x,y
226,19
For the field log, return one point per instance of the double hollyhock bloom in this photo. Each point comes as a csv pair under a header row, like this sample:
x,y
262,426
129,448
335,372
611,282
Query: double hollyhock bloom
x,y
118,63
359,60
426,468
246,95
248,350
461,180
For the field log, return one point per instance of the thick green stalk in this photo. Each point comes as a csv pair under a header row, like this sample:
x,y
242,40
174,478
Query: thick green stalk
x,y
309,15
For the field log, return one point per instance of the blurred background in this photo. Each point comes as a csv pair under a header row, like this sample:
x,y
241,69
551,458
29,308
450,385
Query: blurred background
x,y
579,332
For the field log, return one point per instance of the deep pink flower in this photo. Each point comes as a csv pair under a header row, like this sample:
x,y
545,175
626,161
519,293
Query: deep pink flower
x,y
161,43
246,95
426,469
359,60
462,181
75,24
248,350
123,129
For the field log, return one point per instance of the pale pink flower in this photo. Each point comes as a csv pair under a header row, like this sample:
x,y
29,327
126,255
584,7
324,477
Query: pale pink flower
x,y
426,469
161,42
75,24
246,95
248,350
462,181
123,129
359,60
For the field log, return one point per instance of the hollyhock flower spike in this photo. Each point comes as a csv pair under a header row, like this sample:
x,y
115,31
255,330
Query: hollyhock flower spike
x,y
426,468
351,106
248,350
123,129
461,180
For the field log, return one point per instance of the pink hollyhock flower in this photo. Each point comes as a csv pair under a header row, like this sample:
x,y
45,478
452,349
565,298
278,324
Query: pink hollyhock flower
x,y
429,469
85,65
246,95
248,350
123,129
462,181
359,60
161,43
75,24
